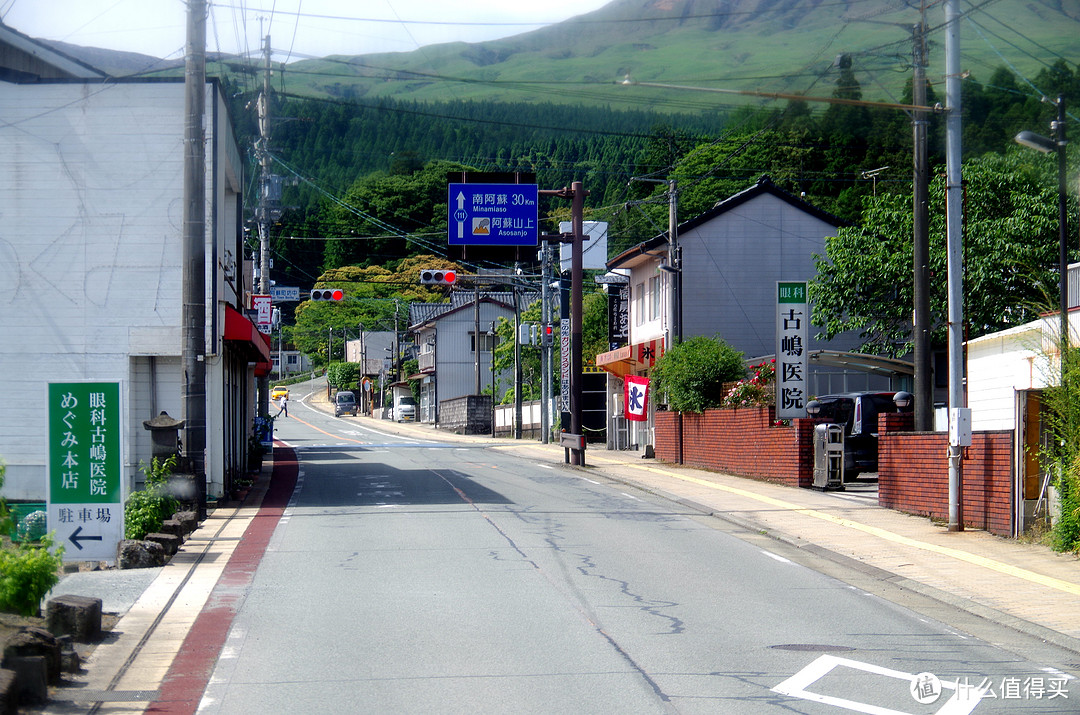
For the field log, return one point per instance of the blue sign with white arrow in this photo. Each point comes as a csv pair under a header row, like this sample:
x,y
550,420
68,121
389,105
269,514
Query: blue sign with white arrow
x,y
493,214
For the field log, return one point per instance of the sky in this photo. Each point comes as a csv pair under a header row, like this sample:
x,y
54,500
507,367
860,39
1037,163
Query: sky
x,y
298,29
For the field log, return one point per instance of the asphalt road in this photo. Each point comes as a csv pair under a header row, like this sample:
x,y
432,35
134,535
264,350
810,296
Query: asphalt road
x,y
412,576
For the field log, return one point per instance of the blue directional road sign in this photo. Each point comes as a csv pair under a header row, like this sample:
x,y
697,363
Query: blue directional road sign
x,y
493,214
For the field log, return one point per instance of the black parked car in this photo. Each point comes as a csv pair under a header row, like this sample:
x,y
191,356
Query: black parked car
x,y
858,413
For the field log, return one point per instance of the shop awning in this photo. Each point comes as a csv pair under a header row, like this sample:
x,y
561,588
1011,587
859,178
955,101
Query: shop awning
x,y
617,362
629,358
246,337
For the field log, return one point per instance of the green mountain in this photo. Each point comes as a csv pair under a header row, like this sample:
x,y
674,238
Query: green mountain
x,y
769,46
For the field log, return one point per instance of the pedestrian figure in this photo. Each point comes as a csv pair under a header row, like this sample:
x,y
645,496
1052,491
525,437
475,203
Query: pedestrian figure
x,y
284,406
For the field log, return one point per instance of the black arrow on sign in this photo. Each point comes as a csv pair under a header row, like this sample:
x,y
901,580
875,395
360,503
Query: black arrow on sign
x,y
75,538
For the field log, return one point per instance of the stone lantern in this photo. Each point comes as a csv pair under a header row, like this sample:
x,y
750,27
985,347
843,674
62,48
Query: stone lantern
x,y
165,435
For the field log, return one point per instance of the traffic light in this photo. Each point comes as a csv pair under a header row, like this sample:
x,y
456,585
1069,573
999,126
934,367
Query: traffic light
x,y
327,294
547,335
431,277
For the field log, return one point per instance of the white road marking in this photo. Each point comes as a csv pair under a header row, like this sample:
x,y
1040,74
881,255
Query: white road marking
x,y
796,686
777,557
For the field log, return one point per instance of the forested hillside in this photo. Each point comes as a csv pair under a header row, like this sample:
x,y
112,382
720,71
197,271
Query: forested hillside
x,y
376,173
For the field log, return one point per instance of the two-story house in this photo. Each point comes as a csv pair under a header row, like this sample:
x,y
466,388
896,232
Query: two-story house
x,y
455,342
732,257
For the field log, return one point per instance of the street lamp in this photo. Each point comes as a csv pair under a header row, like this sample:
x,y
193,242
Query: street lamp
x,y
1047,145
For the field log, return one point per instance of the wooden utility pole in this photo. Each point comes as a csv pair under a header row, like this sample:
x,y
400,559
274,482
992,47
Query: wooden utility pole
x,y
193,315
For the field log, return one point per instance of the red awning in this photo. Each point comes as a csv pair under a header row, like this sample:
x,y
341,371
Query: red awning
x,y
240,330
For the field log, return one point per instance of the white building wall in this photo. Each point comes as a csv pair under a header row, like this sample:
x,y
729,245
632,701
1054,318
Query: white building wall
x,y
1003,363
456,367
643,326
91,180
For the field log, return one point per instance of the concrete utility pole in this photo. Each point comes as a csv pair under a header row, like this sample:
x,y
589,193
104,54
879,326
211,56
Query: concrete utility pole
x,y
194,252
675,258
518,403
545,345
262,152
923,388
476,338
954,249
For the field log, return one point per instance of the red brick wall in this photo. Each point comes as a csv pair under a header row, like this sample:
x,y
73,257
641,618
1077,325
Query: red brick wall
x,y
913,476
740,441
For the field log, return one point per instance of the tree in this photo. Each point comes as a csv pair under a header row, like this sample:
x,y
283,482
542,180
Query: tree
x,y
864,282
373,295
692,374
594,340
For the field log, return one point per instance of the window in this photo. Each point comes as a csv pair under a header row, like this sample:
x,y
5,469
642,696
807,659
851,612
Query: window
x,y
654,297
485,342
291,359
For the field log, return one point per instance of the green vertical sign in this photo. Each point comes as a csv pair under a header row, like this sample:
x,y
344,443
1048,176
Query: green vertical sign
x,y
791,292
792,369
85,462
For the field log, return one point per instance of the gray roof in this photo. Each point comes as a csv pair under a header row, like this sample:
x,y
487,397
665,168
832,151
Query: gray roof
x,y
421,313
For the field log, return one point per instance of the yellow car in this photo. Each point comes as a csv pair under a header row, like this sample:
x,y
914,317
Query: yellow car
x,y
278,392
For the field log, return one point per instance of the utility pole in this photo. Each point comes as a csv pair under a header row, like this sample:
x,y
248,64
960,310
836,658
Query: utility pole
x,y
545,345
262,151
954,250
577,457
675,259
517,366
923,388
476,337
193,314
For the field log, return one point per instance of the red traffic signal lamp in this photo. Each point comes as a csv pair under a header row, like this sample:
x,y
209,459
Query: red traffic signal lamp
x,y
432,277
334,294
547,334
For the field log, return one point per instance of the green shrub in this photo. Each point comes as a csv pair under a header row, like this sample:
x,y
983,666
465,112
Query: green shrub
x,y
5,516
146,510
1062,450
26,575
691,375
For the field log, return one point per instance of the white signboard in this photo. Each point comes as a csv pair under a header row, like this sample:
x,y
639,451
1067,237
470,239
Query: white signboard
x,y
593,246
792,318
564,340
264,313
280,294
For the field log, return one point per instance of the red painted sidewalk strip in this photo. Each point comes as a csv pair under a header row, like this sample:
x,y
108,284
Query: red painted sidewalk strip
x,y
183,687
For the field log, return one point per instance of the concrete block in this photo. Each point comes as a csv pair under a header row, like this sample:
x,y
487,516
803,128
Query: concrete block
x,y
189,520
169,542
31,678
172,526
9,697
75,616
33,642
131,554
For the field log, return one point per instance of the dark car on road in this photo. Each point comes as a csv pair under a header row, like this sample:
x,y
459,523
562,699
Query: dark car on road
x,y
858,413
345,404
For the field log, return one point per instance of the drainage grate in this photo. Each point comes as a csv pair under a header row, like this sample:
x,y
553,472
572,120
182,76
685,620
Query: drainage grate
x,y
813,647
105,696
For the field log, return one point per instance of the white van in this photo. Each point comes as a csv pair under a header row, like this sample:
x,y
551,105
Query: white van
x,y
405,409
